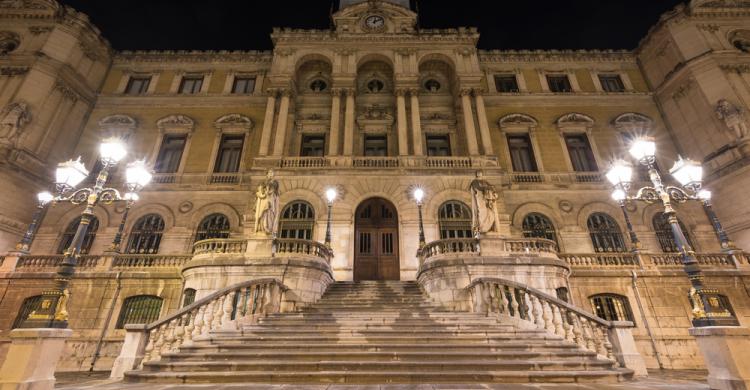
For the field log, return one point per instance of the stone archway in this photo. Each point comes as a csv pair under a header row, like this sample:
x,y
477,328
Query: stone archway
x,y
376,255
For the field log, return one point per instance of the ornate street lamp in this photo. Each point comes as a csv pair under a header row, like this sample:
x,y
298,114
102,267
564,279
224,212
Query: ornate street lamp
x,y
43,199
419,196
708,307
726,243
53,311
331,195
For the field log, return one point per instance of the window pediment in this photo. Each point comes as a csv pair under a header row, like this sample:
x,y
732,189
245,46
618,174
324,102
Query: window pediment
x,y
118,125
517,122
375,119
236,123
575,122
631,121
176,123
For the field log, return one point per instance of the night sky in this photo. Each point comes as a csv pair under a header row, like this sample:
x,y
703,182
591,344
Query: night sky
x,y
246,24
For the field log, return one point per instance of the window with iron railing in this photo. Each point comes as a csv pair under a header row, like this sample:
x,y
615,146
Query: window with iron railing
x,y
297,221
145,237
214,226
454,220
29,305
438,145
537,225
664,234
140,309
88,241
605,233
612,307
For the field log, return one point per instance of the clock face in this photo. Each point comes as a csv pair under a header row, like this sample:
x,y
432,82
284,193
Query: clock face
x,y
374,21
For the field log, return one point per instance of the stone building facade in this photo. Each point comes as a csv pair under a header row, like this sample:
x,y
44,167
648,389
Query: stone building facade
x,y
375,108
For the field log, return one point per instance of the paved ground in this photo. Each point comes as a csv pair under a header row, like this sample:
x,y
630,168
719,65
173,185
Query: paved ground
x,y
658,380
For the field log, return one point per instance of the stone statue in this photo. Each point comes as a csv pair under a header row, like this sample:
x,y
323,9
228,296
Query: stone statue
x,y
483,206
13,119
267,205
733,118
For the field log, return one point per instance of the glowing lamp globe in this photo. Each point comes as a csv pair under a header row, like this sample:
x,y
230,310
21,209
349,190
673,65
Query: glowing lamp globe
x,y
418,195
688,172
620,174
71,173
704,195
44,197
137,175
112,150
331,194
643,148
619,195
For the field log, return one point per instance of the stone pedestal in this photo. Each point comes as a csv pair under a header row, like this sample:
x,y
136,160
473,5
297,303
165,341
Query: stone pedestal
x,y
32,359
132,350
624,348
726,351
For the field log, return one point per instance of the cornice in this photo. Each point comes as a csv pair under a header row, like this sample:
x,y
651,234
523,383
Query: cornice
x,y
175,101
508,56
462,35
194,56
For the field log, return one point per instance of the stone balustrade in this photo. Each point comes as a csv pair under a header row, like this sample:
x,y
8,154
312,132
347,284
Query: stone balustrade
x,y
530,245
629,260
473,246
135,261
304,162
555,177
292,247
51,262
468,246
597,260
225,309
219,246
527,305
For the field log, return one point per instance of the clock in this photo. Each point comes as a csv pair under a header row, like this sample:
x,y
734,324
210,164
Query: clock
x,y
375,22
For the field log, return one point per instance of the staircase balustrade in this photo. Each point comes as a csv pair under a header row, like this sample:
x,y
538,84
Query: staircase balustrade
x,y
225,309
448,246
530,245
504,297
288,246
219,246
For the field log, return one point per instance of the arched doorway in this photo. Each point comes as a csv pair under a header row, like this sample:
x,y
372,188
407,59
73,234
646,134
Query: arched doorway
x,y
376,241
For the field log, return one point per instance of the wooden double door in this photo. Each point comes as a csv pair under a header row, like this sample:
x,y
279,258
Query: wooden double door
x,y
376,241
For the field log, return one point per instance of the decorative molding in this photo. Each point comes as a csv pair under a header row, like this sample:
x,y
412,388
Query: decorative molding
x,y
375,119
517,121
633,122
513,56
683,90
13,70
176,124
712,28
234,123
67,92
118,125
736,68
243,57
38,30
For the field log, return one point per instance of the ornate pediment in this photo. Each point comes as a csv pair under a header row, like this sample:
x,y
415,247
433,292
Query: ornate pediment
x,y
517,120
632,121
234,122
118,125
375,17
375,119
575,118
176,123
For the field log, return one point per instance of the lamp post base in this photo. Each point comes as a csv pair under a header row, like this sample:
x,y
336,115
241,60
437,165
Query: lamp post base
x,y
52,312
711,309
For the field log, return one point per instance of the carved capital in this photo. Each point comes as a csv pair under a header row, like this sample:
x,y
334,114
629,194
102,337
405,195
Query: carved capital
x,y
401,91
287,93
465,92
272,92
414,92
336,92
349,92
66,91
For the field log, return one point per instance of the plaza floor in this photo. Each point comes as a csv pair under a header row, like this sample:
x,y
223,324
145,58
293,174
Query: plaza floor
x,y
657,380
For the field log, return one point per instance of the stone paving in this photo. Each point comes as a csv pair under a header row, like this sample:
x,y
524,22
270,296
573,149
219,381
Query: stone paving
x,y
658,380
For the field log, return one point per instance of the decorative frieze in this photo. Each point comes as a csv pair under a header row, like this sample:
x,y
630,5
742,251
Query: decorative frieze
x,y
194,56
38,30
508,56
13,71
67,92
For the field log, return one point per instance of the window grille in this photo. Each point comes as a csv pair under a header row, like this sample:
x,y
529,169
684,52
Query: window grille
x,y
188,297
141,309
29,305
145,237
606,235
454,220
297,221
612,307
70,232
539,226
212,227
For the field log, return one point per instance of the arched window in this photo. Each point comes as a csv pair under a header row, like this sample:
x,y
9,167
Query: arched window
x,y
140,309
145,237
612,307
606,235
454,220
70,232
188,297
297,221
29,305
213,226
664,233
537,225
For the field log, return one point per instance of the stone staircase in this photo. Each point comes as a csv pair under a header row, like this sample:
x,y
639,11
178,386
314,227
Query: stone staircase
x,y
379,332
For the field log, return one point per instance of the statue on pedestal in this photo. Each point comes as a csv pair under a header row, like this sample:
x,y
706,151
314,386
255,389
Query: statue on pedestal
x,y
733,118
267,205
483,206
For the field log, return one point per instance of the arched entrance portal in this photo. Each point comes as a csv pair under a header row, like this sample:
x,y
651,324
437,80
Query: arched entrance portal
x,y
376,241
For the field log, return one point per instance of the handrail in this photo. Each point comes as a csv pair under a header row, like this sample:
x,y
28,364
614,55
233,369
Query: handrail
x,y
222,309
530,245
446,246
494,295
219,245
289,246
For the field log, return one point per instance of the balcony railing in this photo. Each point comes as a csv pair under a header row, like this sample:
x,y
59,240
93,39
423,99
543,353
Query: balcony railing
x,y
646,260
291,247
128,262
468,246
219,246
596,260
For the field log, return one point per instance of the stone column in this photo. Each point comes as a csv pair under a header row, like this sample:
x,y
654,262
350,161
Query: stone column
x,y
281,126
726,351
349,123
471,132
32,358
484,126
333,139
416,123
265,137
403,137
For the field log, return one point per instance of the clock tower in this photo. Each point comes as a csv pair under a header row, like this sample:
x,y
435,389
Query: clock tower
x,y
346,3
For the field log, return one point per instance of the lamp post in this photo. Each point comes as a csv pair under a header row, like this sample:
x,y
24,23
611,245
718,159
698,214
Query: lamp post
x,y
43,199
721,234
130,199
331,195
53,311
624,171
418,196
708,307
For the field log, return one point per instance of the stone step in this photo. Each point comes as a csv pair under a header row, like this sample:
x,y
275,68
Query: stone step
x,y
391,332
382,377
353,326
507,346
431,366
375,339
366,356
307,322
380,315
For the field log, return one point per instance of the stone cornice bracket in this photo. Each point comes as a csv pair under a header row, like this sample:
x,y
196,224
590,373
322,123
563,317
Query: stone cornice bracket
x,y
66,91
235,123
465,92
401,91
336,92
13,70
176,124
349,92
478,91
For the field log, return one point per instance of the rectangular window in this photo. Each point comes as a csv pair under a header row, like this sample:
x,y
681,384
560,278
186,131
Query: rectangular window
x,y
313,146
138,85
611,83
506,83
438,145
191,85
170,153
559,83
580,153
230,152
243,85
376,145
521,153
